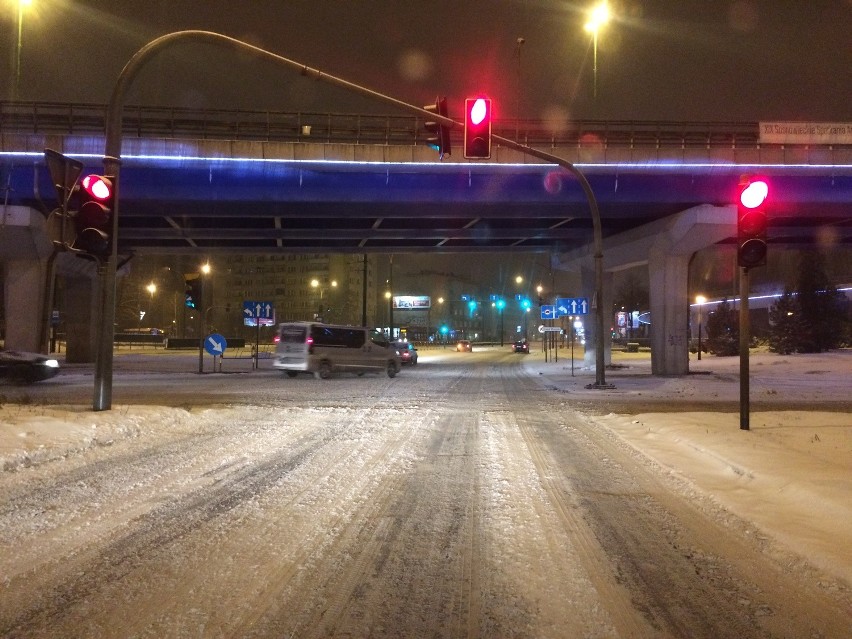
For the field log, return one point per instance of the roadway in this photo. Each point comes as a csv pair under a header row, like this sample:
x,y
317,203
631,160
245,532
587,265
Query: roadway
x,y
463,498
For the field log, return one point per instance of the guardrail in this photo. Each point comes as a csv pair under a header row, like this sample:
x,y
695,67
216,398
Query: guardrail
x,y
44,118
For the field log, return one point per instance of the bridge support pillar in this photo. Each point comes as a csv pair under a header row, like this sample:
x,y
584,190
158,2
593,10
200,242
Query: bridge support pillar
x,y
668,280
23,300
25,249
587,283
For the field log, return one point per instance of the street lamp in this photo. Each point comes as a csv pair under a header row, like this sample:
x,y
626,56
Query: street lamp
x,y
700,299
152,288
598,17
202,314
501,304
389,298
315,284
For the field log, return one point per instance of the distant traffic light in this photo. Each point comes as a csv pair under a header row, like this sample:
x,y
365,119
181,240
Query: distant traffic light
x,y
752,222
477,128
193,290
93,219
440,138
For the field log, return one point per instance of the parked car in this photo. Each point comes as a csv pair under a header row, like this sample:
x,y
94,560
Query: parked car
x,y
521,346
407,352
464,346
21,367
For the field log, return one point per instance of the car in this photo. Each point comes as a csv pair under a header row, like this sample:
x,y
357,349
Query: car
x,y
521,346
21,367
407,352
464,345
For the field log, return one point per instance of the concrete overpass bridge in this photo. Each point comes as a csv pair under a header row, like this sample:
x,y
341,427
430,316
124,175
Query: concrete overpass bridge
x,y
207,182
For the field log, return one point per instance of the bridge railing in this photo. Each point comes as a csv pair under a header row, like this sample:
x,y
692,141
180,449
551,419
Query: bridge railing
x,y
43,118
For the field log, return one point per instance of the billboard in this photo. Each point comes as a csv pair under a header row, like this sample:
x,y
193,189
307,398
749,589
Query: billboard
x,y
412,302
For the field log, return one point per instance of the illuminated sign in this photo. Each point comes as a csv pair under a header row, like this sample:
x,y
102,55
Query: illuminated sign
x,y
412,302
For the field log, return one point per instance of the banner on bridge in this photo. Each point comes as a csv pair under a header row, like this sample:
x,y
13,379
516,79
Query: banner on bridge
x,y
805,132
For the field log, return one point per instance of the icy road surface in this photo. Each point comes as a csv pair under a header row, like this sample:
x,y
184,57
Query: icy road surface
x,y
464,501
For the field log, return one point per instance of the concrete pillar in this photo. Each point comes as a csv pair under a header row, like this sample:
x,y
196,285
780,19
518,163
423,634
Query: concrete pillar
x,y
24,303
668,277
588,286
24,251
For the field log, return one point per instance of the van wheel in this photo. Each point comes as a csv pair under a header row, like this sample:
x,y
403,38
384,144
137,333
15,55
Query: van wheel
x,y
391,369
324,371
291,373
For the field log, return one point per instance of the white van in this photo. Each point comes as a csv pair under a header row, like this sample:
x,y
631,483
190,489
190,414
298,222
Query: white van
x,y
322,349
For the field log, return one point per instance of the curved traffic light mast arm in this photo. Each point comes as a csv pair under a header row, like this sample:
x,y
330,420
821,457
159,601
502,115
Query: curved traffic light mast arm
x,y
112,166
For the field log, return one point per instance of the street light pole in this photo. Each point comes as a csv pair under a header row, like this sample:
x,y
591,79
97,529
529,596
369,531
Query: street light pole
x,y
19,45
599,17
699,300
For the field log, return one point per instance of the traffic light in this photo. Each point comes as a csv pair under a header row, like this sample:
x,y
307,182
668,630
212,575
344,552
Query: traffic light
x,y
93,219
193,290
752,222
440,138
477,128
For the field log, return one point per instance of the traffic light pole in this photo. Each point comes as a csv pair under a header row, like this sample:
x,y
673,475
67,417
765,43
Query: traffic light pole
x,y
112,165
745,338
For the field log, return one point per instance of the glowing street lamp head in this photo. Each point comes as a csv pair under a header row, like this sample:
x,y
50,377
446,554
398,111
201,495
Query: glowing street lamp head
x,y
598,16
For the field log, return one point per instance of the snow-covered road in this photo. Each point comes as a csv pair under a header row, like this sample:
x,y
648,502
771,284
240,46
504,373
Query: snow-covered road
x,y
452,501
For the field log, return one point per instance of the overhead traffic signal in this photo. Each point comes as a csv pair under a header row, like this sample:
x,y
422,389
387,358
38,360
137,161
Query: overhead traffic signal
x,y
477,128
193,290
440,138
752,222
93,219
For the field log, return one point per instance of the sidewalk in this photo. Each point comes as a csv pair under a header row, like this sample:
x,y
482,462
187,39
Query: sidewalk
x,y
790,474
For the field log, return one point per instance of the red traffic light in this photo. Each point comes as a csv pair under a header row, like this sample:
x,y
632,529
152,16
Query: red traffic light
x,y
94,219
753,194
98,187
477,128
752,222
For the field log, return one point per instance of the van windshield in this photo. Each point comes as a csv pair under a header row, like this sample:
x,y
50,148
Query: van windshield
x,y
293,334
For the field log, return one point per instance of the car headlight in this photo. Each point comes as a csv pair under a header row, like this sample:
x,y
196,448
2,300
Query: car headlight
x,y
51,363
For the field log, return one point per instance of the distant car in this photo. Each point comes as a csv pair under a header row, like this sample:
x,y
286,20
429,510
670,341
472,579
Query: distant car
x,y
25,368
464,346
521,346
407,352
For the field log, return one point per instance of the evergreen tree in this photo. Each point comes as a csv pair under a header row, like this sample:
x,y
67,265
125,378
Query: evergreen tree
x,y
723,330
785,321
821,306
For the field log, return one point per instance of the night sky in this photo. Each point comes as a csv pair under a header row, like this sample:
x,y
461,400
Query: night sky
x,y
681,60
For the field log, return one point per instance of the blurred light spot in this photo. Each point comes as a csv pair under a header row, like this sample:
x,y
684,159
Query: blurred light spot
x,y
414,65
553,182
827,237
591,139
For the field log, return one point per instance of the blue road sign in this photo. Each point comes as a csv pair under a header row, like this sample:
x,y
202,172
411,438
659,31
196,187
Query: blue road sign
x,y
255,313
548,312
572,306
215,344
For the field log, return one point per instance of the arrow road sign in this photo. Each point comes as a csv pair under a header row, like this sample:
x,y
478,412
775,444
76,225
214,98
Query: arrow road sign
x,y
258,312
571,306
548,312
215,344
